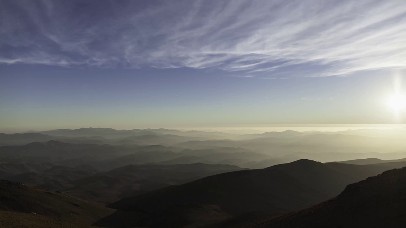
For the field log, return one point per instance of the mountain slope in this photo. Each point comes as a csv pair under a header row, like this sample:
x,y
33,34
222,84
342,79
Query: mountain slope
x,y
55,178
378,201
21,206
136,179
274,190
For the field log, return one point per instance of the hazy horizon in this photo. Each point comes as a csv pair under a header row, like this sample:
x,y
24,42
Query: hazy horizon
x,y
245,129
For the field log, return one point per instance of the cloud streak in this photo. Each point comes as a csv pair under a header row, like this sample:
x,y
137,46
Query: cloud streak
x,y
312,38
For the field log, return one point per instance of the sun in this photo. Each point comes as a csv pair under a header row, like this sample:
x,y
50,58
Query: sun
x,y
397,102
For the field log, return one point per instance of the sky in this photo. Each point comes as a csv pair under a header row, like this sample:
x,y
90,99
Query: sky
x,y
189,63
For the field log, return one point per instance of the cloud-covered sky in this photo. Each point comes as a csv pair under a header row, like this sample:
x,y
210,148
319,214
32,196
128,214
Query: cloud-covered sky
x,y
327,37
174,63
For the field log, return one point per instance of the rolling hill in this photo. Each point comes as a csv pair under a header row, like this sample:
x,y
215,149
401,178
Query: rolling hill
x,y
22,206
274,190
378,201
131,180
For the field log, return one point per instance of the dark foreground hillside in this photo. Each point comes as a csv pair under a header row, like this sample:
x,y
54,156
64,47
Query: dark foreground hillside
x,y
21,206
132,180
275,190
378,201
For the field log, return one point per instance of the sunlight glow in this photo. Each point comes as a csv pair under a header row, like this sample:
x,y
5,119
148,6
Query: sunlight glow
x,y
397,101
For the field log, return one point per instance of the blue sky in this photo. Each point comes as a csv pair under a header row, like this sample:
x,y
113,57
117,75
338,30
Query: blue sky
x,y
128,64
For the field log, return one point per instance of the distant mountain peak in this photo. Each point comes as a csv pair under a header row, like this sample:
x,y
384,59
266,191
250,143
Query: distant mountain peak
x,y
300,162
305,161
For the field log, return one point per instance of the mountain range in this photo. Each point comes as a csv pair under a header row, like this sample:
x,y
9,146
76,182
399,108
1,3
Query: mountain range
x,y
272,191
171,178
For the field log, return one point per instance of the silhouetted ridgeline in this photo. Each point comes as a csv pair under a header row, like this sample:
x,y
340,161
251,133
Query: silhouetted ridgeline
x,y
272,191
378,201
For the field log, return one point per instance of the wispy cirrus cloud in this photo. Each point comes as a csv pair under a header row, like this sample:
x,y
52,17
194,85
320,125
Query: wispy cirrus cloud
x,y
323,37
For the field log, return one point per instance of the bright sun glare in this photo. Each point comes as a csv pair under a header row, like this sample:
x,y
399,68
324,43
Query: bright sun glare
x,y
397,103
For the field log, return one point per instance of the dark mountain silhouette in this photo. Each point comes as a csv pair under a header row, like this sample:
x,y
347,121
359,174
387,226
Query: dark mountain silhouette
x,y
136,179
21,206
56,152
8,170
23,138
274,190
220,155
106,157
378,201
101,156
153,139
80,169
55,178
